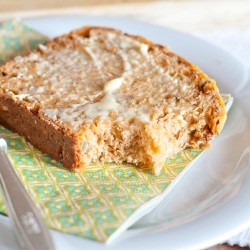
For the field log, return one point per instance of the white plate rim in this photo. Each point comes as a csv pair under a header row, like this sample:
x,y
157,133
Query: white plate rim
x,y
204,243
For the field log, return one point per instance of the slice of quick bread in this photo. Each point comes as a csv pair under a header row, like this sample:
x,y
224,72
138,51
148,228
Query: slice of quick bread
x,y
99,95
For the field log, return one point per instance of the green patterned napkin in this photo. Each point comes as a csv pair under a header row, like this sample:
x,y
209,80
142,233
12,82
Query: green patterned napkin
x,y
95,202
16,38
102,200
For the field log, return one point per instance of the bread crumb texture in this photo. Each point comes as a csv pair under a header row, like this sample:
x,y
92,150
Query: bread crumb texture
x,y
98,95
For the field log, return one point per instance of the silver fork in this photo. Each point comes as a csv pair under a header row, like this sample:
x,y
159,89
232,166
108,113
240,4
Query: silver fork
x,y
29,226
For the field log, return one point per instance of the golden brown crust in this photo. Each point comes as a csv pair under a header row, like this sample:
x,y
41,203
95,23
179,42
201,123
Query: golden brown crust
x,y
218,114
44,135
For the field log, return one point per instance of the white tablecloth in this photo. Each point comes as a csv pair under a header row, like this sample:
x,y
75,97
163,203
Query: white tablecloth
x,y
235,41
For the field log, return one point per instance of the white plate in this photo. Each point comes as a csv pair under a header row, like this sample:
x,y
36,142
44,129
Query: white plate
x,y
211,202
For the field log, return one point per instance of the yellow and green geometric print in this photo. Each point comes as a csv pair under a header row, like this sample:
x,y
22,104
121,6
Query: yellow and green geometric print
x,y
95,202
17,38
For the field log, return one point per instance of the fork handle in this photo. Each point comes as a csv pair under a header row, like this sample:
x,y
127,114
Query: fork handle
x,y
31,230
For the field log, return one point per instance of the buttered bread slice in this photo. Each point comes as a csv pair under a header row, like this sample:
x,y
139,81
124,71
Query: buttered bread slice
x,y
99,95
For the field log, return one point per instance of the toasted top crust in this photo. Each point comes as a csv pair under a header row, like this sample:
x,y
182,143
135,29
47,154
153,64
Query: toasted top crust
x,y
98,72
